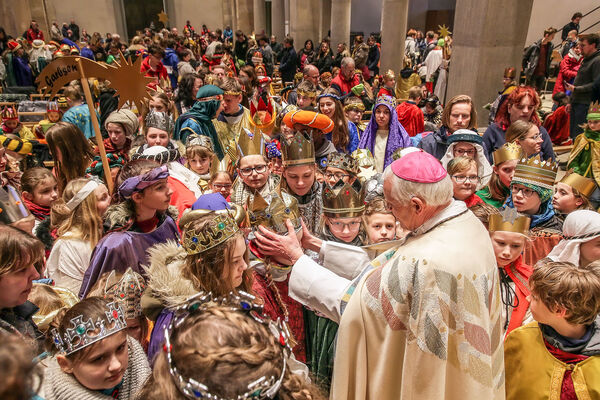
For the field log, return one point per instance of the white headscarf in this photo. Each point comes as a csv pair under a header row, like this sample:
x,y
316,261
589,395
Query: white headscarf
x,y
484,169
580,226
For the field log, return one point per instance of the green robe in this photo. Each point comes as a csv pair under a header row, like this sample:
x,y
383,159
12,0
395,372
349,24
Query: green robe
x,y
485,195
585,156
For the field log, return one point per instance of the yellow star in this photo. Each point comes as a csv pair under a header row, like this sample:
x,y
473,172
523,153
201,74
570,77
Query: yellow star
x,y
444,32
163,17
129,82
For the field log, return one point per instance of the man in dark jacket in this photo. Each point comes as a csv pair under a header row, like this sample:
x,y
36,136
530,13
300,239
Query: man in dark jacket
x,y
373,57
240,47
582,87
536,60
571,26
289,60
277,49
75,30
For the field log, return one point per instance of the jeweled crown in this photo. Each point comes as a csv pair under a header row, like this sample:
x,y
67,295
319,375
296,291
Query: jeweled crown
x,y
344,200
249,144
509,151
127,291
585,186
363,158
384,99
594,111
211,234
83,333
159,120
536,172
343,161
9,112
509,220
274,211
200,140
299,150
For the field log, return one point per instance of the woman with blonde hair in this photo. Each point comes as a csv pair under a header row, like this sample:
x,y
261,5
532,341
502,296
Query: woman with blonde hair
x,y
527,135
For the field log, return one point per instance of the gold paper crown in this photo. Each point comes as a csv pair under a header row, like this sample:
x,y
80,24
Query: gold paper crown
x,y
344,200
583,185
127,291
536,172
342,161
509,220
389,74
211,234
364,158
273,214
594,111
248,146
306,93
509,151
299,150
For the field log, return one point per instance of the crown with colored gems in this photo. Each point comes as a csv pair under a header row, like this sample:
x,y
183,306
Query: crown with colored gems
x,y
583,185
299,150
364,158
536,172
265,387
83,333
343,161
388,100
344,200
9,112
509,151
249,144
509,220
211,234
274,211
594,111
200,140
127,291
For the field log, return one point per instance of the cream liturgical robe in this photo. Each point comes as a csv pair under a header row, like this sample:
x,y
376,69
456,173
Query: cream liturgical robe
x,y
425,323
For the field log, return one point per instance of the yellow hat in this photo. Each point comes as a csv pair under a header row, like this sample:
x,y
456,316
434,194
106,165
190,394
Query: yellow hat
x,y
509,220
583,185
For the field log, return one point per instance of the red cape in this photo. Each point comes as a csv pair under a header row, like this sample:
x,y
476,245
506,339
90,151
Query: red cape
x,y
411,118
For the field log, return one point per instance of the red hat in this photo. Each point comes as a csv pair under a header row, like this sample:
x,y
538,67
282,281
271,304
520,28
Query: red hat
x,y
419,167
9,113
13,45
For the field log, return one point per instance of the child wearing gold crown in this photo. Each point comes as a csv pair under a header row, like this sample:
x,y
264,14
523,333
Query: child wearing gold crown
x,y
572,193
12,125
53,115
93,356
498,188
585,156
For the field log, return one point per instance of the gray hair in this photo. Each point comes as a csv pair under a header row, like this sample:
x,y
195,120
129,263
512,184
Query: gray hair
x,y
433,194
347,61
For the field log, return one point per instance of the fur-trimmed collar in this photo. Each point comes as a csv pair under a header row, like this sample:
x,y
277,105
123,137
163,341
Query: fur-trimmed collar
x,y
121,216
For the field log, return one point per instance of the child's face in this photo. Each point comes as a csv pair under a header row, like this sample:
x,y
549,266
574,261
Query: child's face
x,y
156,197
104,364
222,185
564,201
300,178
594,125
53,116
540,312
276,166
200,165
345,229
354,115
45,193
102,199
526,200
11,123
333,175
15,286
116,134
589,252
388,82
508,246
157,137
381,227
237,264
303,101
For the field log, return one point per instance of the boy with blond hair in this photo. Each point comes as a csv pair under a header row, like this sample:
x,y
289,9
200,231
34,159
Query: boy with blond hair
x,y
558,356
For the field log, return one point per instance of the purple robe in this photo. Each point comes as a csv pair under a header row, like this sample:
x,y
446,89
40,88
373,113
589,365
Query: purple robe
x,y
397,138
121,250
22,71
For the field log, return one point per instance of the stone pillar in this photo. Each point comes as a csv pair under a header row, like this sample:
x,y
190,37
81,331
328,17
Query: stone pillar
x,y
341,11
325,19
260,24
228,9
488,37
304,24
393,34
278,19
245,15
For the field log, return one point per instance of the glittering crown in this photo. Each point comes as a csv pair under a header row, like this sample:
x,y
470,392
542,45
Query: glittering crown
x,y
211,234
53,106
249,144
389,74
12,208
583,185
273,211
342,161
509,220
83,333
536,172
159,120
299,150
509,151
200,140
127,291
389,100
9,112
594,111
344,200
364,158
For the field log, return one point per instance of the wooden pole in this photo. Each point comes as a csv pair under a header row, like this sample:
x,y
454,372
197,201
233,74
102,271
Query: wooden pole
x,y
90,103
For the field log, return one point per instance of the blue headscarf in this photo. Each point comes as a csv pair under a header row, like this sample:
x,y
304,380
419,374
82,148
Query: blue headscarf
x,y
397,138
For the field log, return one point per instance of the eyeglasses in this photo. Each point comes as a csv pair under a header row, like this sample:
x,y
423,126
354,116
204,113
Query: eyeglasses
x,y
526,191
222,186
339,226
337,176
259,169
463,179
535,137
462,152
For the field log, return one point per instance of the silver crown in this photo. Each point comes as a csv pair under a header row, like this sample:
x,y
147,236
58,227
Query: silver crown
x,y
159,120
83,333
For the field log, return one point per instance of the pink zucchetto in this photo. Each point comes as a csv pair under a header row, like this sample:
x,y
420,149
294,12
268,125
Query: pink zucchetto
x,y
420,167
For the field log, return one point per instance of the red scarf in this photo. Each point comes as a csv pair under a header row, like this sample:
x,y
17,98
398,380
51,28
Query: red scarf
x,y
149,225
567,390
39,212
519,273
473,200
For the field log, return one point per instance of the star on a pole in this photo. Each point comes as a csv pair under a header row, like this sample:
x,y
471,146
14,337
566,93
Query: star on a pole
x,y
163,17
444,31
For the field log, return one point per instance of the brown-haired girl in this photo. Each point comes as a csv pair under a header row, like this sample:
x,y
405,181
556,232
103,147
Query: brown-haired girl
x,y
94,357
527,135
78,218
217,265
225,352
345,134
71,151
505,160
199,156
39,190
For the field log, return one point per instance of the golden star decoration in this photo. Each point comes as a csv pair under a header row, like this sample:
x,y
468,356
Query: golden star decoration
x,y
444,32
129,82
163,17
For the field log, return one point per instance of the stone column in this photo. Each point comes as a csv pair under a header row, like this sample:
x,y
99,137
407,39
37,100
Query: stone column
x,y
304,24
325,19
260,24
278,19
245,15
488,37
393,34
340,22
227,9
